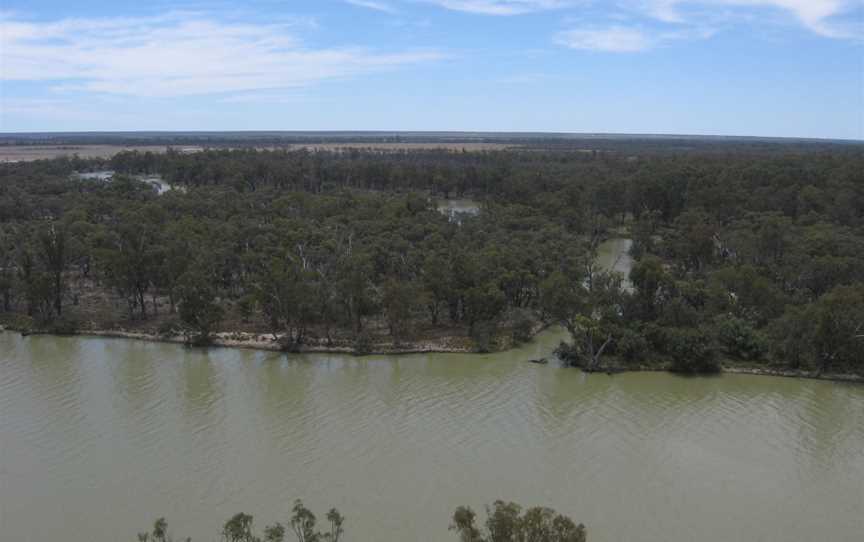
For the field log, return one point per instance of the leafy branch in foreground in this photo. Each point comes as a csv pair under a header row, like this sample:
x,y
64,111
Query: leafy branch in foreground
x,y
240,528
505,523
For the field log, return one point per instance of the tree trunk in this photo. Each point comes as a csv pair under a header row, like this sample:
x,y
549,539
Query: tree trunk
x,y
58,293
595,356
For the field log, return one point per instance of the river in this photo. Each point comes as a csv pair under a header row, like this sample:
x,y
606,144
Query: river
x,y
98,437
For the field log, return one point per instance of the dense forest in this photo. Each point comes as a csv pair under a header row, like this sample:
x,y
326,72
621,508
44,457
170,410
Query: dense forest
x,y
749,258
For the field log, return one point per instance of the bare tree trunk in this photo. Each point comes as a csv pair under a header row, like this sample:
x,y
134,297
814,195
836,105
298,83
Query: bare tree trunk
x,y
595,356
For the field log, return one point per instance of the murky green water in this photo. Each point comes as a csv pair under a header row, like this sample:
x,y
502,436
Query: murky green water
x,y
99,437
614,255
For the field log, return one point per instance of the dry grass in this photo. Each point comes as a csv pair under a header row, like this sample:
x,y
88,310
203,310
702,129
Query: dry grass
x,y
470,147
28,153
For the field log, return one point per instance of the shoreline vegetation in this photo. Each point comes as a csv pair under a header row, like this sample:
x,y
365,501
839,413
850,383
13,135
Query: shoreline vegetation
x,y
744,255
261,342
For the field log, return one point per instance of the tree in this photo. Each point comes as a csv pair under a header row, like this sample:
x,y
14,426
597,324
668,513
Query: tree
x,y
158,534
198,307
55,256
437,284
691,350
354,287
739,338
303,522
398,300
129,259
588,307
239,529
37,285
285,293
838,320
791,335
483,303
506,523
651,285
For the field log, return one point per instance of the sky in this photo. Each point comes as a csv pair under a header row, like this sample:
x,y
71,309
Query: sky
x,y
788,68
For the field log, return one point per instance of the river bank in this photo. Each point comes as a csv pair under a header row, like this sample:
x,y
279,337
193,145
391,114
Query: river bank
x,y
257,341
439,345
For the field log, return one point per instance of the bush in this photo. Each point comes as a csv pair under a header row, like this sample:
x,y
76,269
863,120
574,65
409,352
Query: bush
x,y
657,337
246,307
568,354
17,322
168,328
692,351
792,338
362,343
632,346
739,338
63,325
483,336
523,327
289,343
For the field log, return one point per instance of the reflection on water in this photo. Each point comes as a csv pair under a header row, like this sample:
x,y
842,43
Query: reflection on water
x,y
614,255
457,209
99,437
154,181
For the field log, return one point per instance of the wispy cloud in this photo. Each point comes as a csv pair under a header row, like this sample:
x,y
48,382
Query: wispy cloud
x,y
819,16
663,21
178,54
372,4
625,39
613,39
501,7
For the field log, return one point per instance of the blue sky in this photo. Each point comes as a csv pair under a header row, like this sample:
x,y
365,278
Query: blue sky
x,y
735,67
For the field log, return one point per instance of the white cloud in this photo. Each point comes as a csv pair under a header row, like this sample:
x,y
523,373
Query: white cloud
x,y
372,4
501,7
817,15
671,20
612,39
177,54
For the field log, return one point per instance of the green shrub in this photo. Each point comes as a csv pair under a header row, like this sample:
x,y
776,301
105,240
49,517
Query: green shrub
x,y
739,338
569,354
691,351
64,325
168,328
632,346
362,343
483,336
17,322
657,337
523,326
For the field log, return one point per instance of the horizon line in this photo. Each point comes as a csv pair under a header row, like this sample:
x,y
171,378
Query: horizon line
x,y
475,133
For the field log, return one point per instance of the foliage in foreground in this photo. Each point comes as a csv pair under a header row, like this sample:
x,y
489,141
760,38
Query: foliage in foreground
x,y
239,528
505,522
